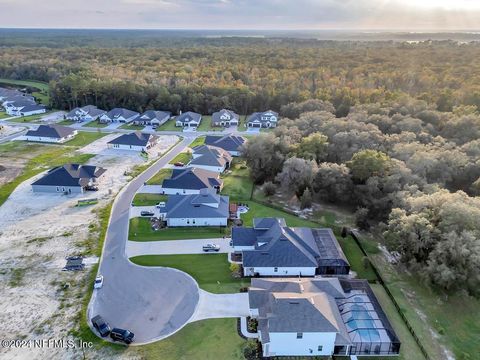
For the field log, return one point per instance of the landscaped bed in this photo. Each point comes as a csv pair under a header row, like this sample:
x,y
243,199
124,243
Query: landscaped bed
x,y
140,229
212,272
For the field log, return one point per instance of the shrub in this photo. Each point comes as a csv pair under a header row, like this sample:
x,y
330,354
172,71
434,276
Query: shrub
x,y
269,188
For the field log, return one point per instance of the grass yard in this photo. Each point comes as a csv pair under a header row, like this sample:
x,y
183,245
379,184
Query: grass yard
x,y
211,271
95,124
84,138
4,115
148,199
237,182
169,125
66,122
183,157
206,124
212,339
132,127
30,118
158,178
141,230
197,142
259,210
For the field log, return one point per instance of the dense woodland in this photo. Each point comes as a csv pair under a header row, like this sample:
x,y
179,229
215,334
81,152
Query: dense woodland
x,y
390,128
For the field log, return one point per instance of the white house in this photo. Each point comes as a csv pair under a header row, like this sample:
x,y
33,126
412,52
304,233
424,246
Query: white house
x,y
320,317
86,113
267,119
188,119
210,158
204,209
51,134
153,118
32,110
225,117
231,143
135,141
15,108
190,181
271,248
119,115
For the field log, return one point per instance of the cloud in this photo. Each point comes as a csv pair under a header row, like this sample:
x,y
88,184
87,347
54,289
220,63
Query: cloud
x,y
242,14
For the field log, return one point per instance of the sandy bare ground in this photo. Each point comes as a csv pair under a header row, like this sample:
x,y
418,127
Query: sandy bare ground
x,y
37,232
6,130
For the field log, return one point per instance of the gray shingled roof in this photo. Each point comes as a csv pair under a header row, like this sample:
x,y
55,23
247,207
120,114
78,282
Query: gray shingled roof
x,y
32,107
125,113
134,139
188,116
227,142
299,305
229,114
257,116
150,115
276,245
51,131
204,205
208,155
192,179
70,175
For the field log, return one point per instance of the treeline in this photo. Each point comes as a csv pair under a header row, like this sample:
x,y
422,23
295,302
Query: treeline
x,y
251,74
404,165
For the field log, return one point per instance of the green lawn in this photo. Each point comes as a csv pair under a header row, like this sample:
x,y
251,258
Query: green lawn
x,y
66,122
237,183
148,199
4,115
213,339
259,210
132,127
141,230
183,157
211,271
158,178
95,124
169,126
30,118
84,138
197,142
206,124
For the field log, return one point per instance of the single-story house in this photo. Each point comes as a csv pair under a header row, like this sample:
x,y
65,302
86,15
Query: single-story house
x,y
210,158
85,113
230,143
225,117
188,119
267,119
32,110
134,141
153,118
204,209
69,178
191,181
119,115
320,317
9,93
271,248
51,134
14,107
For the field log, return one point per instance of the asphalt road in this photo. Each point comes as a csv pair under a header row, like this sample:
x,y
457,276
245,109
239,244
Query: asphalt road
x,y
151,302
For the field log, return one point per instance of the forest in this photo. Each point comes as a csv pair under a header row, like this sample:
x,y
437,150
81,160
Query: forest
x,y
390,128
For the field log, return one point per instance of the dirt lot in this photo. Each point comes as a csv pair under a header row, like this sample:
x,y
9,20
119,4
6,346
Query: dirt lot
x,y
37,232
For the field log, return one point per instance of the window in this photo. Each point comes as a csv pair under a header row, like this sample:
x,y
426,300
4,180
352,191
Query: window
x,y
275,269
188,221
320,347
63,189
299,335
58,189
193,221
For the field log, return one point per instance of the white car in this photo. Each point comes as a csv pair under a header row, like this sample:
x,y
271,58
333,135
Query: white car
x,y
211,247
98,282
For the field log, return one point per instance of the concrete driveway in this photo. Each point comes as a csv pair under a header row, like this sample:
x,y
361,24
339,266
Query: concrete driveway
x,y
135,211
212,306
172,247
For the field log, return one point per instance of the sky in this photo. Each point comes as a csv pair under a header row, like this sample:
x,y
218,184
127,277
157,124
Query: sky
x,y
404,15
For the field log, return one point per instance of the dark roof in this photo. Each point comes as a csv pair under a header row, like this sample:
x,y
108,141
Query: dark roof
x,y
192,179
32,107
125,113
276,245
207,204
189,116
135,138
70,175
152,114
228,115
21,102
51,131
227,142
208,155
91,110
257,116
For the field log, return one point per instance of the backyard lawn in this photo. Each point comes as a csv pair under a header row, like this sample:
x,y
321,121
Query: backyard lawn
x,y
259,210
183,157
158,178
211,271
213,339
140,229
148,199
95,124
237,183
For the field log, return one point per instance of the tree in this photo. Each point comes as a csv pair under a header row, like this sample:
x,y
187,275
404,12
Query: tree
x,y
269,188
368,163
313,147
333,182
306,199
297,175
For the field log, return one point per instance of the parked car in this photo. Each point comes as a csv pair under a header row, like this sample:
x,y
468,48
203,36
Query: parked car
x,y
147,213
122,335
102,327
91,188
179,163
211,247
98,282
160,204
